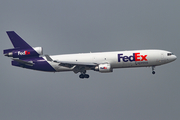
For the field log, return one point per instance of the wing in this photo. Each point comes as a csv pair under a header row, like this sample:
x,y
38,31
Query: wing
x,y
76,66
29,63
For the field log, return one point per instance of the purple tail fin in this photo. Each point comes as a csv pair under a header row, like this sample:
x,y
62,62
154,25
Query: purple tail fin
x,y
21,48
17,41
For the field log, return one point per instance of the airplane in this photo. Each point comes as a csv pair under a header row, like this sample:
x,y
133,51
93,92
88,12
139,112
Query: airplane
x,y
25,56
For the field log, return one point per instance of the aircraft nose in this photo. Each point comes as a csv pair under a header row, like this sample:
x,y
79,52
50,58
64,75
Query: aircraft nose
x,y
175,57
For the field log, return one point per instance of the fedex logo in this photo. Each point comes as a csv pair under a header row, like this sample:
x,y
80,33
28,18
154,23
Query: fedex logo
x,y
103,67
23,53
134,57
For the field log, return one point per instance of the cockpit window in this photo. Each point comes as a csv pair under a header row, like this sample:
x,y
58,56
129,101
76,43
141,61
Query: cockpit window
x,y
169,54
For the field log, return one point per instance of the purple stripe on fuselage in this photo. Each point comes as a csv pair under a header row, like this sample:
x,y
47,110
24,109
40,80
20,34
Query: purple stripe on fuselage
x,y
39,64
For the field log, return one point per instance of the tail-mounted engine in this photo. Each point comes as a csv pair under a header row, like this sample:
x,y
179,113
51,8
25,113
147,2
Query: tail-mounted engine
x,y
23,53
104,68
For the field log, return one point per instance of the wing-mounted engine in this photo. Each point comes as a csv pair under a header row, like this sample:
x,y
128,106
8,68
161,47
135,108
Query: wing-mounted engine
x,y
104,68
23,53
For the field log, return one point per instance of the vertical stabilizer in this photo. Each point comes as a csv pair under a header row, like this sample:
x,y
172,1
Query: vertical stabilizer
x,y
17,41
21,48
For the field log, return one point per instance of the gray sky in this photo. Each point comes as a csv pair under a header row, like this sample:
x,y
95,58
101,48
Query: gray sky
x,y
69,26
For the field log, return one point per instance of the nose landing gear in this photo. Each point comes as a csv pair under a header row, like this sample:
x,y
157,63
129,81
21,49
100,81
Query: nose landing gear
x,y
153,71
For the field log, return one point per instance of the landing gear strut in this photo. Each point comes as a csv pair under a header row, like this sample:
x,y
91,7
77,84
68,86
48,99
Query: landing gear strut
x,y
153,72
83,75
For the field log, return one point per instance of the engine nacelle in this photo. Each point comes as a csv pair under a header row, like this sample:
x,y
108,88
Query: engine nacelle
x,y
22,53
104,68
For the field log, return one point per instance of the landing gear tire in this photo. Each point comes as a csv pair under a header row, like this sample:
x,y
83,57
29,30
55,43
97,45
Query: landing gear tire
x,y
86,76
153,72
82,76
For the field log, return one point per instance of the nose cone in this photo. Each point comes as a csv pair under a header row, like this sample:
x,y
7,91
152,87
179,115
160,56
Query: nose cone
x,y
173,58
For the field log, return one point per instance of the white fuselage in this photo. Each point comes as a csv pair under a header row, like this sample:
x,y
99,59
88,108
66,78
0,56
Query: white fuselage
x,y
117,59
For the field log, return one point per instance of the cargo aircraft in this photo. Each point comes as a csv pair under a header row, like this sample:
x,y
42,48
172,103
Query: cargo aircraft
x,y
25,56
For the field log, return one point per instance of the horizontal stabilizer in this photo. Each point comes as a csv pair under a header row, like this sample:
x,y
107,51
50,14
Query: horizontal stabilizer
x,y
48,58
29,63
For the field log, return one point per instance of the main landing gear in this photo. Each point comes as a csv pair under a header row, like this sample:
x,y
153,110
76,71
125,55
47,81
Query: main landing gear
x,y
83,75
153,72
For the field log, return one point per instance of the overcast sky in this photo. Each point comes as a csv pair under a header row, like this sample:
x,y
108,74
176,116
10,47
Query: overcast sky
x,y
78,26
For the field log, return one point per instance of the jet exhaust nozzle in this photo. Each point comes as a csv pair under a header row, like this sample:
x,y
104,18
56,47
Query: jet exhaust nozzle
x,y
10,54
